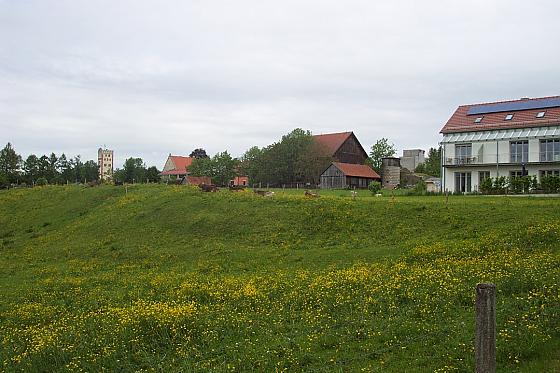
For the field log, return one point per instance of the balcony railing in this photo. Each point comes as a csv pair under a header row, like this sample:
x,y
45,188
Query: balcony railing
x,y
461,161
549,157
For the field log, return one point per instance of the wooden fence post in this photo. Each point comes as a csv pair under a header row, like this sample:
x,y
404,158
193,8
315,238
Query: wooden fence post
x,y
485,342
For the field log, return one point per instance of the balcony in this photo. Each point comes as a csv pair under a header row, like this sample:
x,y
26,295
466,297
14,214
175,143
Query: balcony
x,y
461,161
549,157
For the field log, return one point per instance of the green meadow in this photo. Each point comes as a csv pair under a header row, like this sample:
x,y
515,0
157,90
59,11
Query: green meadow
x,y
167,278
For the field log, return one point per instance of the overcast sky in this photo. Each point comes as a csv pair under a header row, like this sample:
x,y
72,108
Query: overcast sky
x,y
149,78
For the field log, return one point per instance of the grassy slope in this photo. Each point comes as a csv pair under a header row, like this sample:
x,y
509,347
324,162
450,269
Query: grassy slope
x,y
72,251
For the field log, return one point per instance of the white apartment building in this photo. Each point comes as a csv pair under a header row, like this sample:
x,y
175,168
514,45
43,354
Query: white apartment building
x,y
105,163
508,138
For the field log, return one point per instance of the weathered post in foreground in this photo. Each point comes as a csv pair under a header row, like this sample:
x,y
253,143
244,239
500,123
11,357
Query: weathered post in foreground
x,y
485,343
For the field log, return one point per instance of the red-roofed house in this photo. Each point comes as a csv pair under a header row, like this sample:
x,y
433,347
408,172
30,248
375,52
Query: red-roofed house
x,y
506,138
176,166
348,175
342,147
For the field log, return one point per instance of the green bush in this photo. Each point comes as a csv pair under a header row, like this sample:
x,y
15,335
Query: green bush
x,y
374,187
4,181
500,185
519,184
486,186
550,184
420,187
41,181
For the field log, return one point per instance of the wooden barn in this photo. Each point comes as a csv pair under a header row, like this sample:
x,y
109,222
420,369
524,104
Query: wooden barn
x,y
342,147
347,175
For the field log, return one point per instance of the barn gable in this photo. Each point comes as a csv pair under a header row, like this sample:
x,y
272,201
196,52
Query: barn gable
x,y
343,147
351,151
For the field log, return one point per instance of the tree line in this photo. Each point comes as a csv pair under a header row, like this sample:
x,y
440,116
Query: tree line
x,y
295,158
135,171
46,169
53,169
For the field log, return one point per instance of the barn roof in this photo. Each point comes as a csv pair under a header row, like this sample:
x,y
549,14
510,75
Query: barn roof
x,y
526,112
332,141
357,170
181,163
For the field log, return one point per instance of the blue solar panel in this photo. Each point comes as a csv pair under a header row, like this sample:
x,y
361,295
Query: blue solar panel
x,y
514,106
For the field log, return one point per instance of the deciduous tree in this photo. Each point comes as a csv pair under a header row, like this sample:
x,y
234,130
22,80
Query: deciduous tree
x,y
152,174
198,153
223,168
134,170
381,149
201,167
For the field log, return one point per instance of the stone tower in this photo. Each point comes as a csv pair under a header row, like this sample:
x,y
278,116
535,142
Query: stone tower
x,y
105,162
390,172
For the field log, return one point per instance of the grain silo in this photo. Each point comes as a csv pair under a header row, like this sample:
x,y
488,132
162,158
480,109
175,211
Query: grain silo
x,y
390,172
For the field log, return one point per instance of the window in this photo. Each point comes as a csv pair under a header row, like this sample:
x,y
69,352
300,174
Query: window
x,y
543,173
509,117
516,173
519,151
550,150
478,120
483,175
541,114
463,182
463,153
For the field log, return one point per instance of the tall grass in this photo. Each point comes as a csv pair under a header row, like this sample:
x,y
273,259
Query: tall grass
x,y
168,278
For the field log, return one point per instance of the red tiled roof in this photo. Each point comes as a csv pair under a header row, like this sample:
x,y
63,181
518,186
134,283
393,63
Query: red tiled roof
x,y
181,163
332,141
460,121
357,170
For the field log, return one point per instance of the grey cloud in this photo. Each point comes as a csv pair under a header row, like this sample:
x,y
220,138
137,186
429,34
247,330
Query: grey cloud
x,y
148,78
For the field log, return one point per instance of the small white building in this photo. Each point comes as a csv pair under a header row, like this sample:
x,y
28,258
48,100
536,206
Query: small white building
x,y
508,138
433,184
105,164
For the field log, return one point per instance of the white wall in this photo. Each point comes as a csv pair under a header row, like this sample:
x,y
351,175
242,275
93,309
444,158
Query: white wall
x,y
169,165
503,171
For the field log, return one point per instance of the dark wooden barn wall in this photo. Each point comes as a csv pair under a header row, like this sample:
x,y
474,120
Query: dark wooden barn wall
x,y
350,152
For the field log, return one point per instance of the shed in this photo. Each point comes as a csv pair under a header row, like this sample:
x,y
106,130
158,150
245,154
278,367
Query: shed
x,y
347,175
433,184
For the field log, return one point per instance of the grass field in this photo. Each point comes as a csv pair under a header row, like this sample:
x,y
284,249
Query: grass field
x,y
171,279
